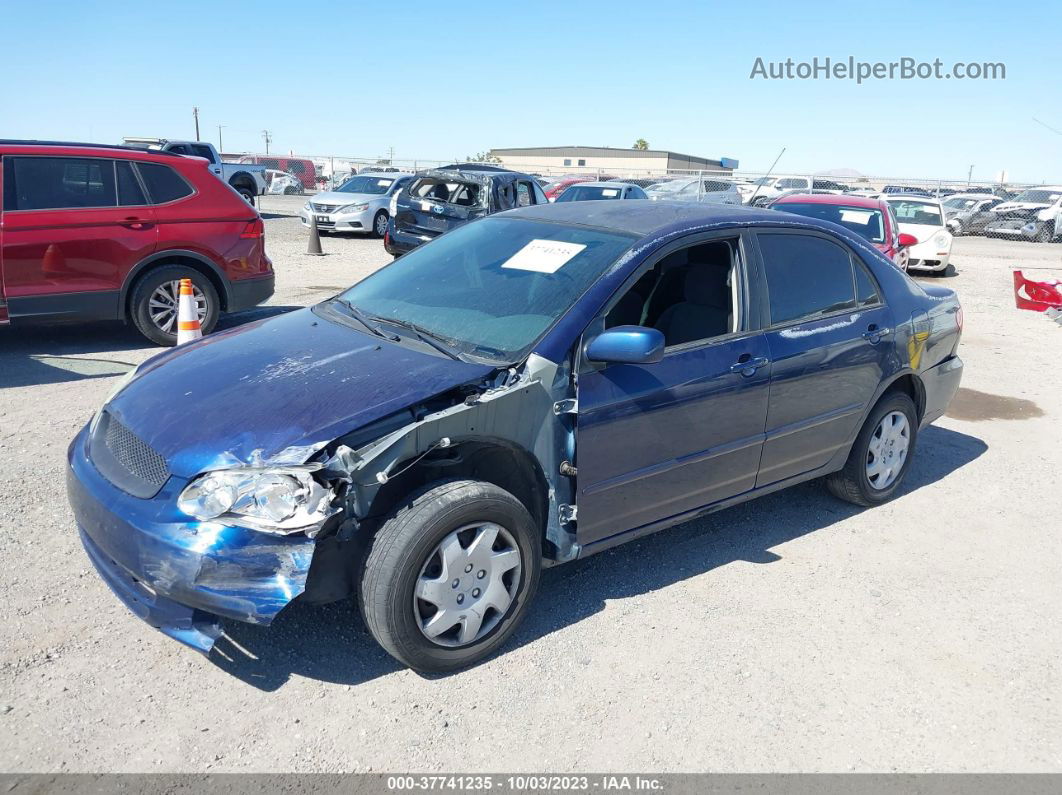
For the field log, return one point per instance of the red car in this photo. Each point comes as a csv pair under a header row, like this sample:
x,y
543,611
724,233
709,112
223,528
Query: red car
x,y
91,232
870,218
555,189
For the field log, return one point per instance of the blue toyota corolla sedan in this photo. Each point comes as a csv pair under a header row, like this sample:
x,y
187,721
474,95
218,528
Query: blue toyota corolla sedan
x,y
528,389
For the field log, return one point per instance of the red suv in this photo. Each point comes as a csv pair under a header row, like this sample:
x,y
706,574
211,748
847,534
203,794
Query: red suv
x,y
91,232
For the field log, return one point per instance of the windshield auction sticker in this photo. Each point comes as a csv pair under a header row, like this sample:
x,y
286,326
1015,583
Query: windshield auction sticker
x,y
543,256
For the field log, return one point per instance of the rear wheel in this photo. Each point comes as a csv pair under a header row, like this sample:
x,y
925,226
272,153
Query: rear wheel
x,y
880,455
154,302
247,192
1045,232
450,574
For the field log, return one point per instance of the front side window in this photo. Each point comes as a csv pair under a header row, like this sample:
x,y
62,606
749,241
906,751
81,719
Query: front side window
x,y
163,183
807,277
54,183
688,295
492,287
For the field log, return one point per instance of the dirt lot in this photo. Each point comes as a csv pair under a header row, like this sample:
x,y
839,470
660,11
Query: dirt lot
x,y
792,633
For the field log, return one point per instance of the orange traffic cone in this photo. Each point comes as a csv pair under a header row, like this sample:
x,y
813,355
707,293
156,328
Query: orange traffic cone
x,y
187,316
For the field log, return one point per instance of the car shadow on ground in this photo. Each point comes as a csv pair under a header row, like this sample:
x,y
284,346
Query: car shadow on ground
x,y
330,643
53,354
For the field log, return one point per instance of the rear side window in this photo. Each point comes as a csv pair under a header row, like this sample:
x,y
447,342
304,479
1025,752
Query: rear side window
x,y
807,277
866,290
130,194
52,183
163,183
203,151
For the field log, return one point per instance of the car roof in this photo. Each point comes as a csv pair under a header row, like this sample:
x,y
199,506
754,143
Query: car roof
x,y
384,174
908,197
617,184
846,199
645,217
985,196
76,148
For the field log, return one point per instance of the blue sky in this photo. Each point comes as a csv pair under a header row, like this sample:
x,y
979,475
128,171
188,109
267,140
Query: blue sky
x,y
446,79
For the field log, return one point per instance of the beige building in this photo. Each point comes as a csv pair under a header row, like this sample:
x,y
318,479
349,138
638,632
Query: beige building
x,y
606,160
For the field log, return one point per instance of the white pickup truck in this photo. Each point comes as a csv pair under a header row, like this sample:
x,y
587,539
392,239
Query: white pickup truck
x,y
245,178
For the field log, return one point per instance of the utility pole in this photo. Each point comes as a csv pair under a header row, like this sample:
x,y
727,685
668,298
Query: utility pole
x,y
195,114
390,155
267,138
221,148
969,177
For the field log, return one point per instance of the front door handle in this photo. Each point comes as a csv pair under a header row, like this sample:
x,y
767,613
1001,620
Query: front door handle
x,y
135,223
874,334
748,366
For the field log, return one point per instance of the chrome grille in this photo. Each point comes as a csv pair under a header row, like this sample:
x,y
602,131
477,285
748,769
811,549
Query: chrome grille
x,y
133,453
323,208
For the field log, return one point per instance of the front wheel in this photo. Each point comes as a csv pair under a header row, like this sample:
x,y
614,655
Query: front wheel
x,y
1045,232
880,455
450,574
379,224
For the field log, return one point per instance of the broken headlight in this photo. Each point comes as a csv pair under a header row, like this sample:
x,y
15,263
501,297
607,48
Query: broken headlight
x,y
279,500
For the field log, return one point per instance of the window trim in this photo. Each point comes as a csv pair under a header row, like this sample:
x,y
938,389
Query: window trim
x,y
765,288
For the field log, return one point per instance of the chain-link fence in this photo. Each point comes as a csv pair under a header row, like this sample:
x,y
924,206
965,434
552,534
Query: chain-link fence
x,y
330,171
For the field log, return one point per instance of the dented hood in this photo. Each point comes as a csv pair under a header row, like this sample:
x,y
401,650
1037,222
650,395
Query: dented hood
x,y
298,380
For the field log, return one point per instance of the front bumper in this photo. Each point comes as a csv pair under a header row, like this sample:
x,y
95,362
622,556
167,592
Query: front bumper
x,y
181,575
929,256
340,222
1023,228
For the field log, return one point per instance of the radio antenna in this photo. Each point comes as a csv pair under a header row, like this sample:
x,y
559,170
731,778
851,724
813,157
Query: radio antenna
x,y
764,177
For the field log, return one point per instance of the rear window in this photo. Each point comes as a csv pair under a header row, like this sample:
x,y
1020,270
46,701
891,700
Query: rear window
x,y
466,194
908,212
163,183
582,193
864,221
51,183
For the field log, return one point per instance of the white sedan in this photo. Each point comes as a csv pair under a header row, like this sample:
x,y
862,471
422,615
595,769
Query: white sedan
x,y
923,217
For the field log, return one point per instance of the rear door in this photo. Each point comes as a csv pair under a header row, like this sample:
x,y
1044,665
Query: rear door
x,y
73,229
829,339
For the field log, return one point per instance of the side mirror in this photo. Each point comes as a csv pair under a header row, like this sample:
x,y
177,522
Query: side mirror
x,y
906,241
627,345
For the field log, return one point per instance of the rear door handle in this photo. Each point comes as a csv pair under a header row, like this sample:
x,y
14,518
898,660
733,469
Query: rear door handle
x,y
874,334
748,366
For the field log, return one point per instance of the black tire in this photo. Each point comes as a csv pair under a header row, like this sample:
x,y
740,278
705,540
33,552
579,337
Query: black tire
x,y
147,285
376,223
290,190
851,483
407,542
1045,233
247,193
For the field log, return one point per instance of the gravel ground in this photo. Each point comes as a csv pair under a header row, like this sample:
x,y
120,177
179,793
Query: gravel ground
x,y
794,633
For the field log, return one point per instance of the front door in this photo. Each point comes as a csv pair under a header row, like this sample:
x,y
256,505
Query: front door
x,y
655,441
829,343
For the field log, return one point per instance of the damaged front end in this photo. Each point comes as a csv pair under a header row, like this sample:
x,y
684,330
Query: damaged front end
x,y
242,539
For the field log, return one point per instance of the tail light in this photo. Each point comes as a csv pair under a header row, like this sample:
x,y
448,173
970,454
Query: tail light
x,y
254,229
